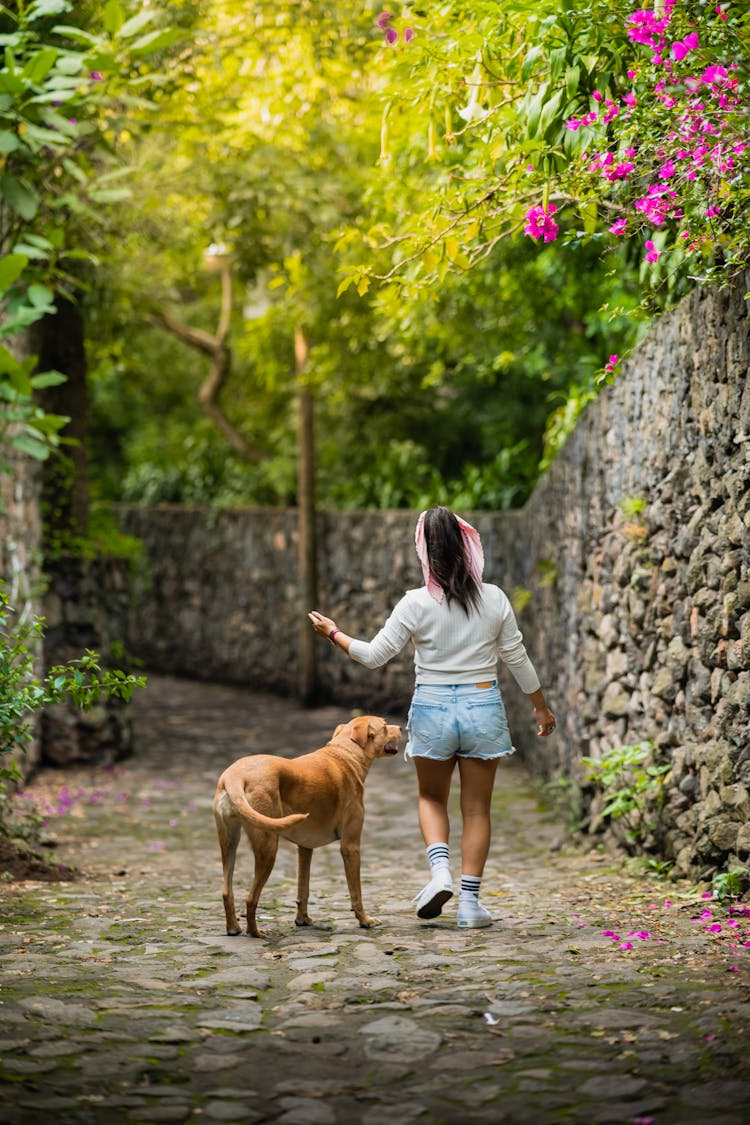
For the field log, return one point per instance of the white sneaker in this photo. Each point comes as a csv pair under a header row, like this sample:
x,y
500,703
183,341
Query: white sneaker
x,y
431,899
472,915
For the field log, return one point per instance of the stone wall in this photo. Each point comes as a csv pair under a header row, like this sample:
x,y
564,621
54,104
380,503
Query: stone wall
x,y
20,557
631,561
644,521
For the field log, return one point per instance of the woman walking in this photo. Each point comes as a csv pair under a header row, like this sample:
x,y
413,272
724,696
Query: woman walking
x,y
459,626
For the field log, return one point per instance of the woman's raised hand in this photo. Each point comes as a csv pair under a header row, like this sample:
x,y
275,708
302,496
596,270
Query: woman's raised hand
x,y
322,625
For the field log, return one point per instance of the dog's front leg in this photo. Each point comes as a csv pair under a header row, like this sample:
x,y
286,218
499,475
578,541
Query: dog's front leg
x,y
304,859
350,852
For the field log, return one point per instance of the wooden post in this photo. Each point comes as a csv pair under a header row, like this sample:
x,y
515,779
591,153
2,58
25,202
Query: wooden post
x,y
307,557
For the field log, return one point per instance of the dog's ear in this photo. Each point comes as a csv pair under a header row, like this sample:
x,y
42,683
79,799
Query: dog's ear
x,y
360,728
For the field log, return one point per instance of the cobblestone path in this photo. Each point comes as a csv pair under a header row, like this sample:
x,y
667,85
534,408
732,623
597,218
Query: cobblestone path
x,y
596,996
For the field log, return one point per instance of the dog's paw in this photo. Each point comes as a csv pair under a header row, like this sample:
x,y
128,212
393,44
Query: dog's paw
x,y
367,923
232,931
303,920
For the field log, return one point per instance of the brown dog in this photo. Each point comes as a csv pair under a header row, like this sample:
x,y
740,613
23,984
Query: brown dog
x,y
311,801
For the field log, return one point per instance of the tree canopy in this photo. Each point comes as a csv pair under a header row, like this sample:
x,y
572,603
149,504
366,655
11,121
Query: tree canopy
x,y
470,210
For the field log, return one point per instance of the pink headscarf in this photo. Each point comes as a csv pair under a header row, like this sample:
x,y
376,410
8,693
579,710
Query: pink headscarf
x,y
472,547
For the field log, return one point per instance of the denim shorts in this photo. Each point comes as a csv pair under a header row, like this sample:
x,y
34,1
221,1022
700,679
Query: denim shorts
x,y
457,719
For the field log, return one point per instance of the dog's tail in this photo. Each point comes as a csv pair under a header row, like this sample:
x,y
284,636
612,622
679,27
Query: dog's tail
x,y
235,790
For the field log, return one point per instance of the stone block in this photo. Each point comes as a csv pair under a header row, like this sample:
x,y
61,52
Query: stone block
x,y
724,835
616,702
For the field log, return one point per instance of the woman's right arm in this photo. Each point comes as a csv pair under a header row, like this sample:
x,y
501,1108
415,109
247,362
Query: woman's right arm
x,y
386,644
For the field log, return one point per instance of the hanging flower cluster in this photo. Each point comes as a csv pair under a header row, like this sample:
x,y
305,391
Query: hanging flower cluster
x,y
390,33
673,139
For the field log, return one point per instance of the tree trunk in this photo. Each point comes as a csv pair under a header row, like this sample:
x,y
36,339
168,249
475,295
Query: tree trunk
x,y
58,340
308,549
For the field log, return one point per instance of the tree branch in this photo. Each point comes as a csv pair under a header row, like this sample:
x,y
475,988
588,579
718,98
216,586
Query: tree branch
x,y
215,347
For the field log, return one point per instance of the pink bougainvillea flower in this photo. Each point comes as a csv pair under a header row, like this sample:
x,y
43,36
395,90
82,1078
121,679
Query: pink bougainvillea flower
x,y
619,227
643,1120
540,224
626,945
652,254
712,211
597,96
707,894
713,74
384,19
707,914
733,969
630,99
709,1038
720,12
667,170
684,46
609,367
715,929
96,76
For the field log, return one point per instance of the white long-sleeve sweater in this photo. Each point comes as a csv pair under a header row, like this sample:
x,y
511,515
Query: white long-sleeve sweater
x,y
449,647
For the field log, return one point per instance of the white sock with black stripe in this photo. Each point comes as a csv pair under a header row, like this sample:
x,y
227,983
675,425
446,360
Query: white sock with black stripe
x,y
439,857
470,885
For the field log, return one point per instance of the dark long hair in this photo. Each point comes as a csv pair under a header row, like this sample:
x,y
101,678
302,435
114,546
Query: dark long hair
x,y
447,558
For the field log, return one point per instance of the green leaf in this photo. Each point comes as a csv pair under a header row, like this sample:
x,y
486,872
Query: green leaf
x,y
9,142
40,296
11,267
20,195
24,443
8,362
43,8
156,41
136,23
48,379
40,64
74,33
113,17
109,195
12,84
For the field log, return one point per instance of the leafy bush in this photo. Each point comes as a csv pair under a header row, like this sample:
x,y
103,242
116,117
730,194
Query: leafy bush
x,y
23,693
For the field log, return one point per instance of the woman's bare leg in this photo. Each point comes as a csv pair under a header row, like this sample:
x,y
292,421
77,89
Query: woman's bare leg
x,y
434,781
477,781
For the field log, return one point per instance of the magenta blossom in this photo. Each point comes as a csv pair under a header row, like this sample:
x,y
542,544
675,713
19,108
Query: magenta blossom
x,y
652,254
384,19
619,227
96,76
684,46
391,35
540,224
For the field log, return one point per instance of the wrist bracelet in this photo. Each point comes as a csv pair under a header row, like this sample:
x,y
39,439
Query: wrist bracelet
x,y
331,635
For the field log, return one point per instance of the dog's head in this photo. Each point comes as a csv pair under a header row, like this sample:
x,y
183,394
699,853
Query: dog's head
x,y
371,733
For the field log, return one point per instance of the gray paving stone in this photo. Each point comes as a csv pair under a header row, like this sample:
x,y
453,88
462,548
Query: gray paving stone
x,y
142,1019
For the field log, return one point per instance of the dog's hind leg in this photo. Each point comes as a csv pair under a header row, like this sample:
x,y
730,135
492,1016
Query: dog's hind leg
x,y
304,859
229,837
265,846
